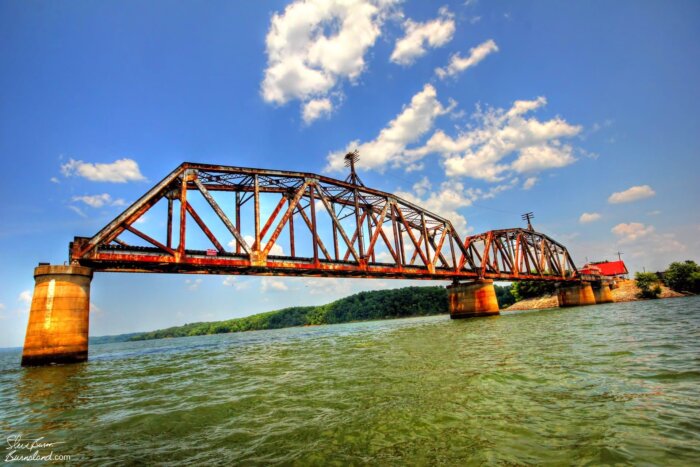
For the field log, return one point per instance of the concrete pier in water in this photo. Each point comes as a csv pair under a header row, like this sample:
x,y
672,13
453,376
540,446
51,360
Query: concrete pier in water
x,y
59,316
576,294
602,293
472,299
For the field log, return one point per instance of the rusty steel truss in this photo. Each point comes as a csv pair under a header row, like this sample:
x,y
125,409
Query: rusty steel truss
x,y
316,226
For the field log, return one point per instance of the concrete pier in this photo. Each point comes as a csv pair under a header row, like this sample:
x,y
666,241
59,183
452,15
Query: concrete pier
x,y
577,294
602,293
59,316
472,299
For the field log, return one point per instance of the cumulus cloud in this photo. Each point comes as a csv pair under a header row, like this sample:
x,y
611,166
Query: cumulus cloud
x,y
421,187
388,147
97,201
628,233
418,36
315,109
529,183
315,43
480,151
449,198
587,217
236,282
193,284
270,284
445,202
543,156
645,246
25,297
458,63
119,171
631,194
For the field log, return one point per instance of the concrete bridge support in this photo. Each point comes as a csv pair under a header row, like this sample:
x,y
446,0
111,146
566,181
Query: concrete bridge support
x,y
59,316
576,294
602,293
472,299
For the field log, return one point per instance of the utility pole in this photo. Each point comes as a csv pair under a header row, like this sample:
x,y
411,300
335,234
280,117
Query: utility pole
x,y
528,216
350,159
619,256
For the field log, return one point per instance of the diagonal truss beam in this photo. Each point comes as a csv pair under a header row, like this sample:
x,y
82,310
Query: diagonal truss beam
x,y
367,214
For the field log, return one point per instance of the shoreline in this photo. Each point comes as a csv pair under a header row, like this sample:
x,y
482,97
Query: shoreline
x,y
626,291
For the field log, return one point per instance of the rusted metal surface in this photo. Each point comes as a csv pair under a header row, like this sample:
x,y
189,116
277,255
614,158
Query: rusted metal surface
x,y
370,233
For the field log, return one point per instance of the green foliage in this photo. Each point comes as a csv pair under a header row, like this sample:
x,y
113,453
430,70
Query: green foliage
x,y
382,304
648,284
504,296
683,277
530,289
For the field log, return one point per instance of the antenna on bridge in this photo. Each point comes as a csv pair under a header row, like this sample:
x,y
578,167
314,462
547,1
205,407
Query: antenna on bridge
x,y
350,159
528,216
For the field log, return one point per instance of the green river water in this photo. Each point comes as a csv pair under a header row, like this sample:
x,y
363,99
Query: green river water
x,y
607,384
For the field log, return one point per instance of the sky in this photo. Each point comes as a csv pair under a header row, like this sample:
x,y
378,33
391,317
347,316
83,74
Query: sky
x,y
586,113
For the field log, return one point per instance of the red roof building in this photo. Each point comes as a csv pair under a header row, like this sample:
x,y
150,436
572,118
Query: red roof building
x,y
605,268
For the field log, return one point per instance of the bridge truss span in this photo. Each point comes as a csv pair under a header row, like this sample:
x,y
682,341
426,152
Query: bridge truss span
x,y
231,220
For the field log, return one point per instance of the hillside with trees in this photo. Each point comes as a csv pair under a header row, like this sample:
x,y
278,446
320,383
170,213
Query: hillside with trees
x,y
363,306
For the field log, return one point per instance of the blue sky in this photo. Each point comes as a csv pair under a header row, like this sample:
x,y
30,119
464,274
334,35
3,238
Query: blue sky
x,y
584,112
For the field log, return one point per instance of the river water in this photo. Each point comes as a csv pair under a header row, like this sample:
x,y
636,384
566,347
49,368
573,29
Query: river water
x,y
606,384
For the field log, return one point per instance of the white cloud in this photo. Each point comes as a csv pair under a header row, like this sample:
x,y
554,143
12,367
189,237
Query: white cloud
x,y
628,233
421,187
450,198
479,152
193,284
645,247
418,36
315,109
25,297
458,64
529,183
119,171
315,43
388,147
55,180
631,194
77,210
414,167
654,213
270,284
445,202
236,282
541,157
97,201
95,310
587,217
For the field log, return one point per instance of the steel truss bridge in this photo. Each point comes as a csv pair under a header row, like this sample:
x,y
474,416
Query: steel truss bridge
x,y
303,224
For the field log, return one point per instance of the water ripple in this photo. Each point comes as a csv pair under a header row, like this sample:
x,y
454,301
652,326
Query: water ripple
x,y
614,384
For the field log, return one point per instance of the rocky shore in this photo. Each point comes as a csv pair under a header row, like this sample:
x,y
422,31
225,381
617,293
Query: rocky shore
x,y
626,291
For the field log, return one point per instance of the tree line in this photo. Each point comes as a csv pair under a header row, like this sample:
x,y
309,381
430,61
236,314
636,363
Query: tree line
x,y
363,306
407,302
683,277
